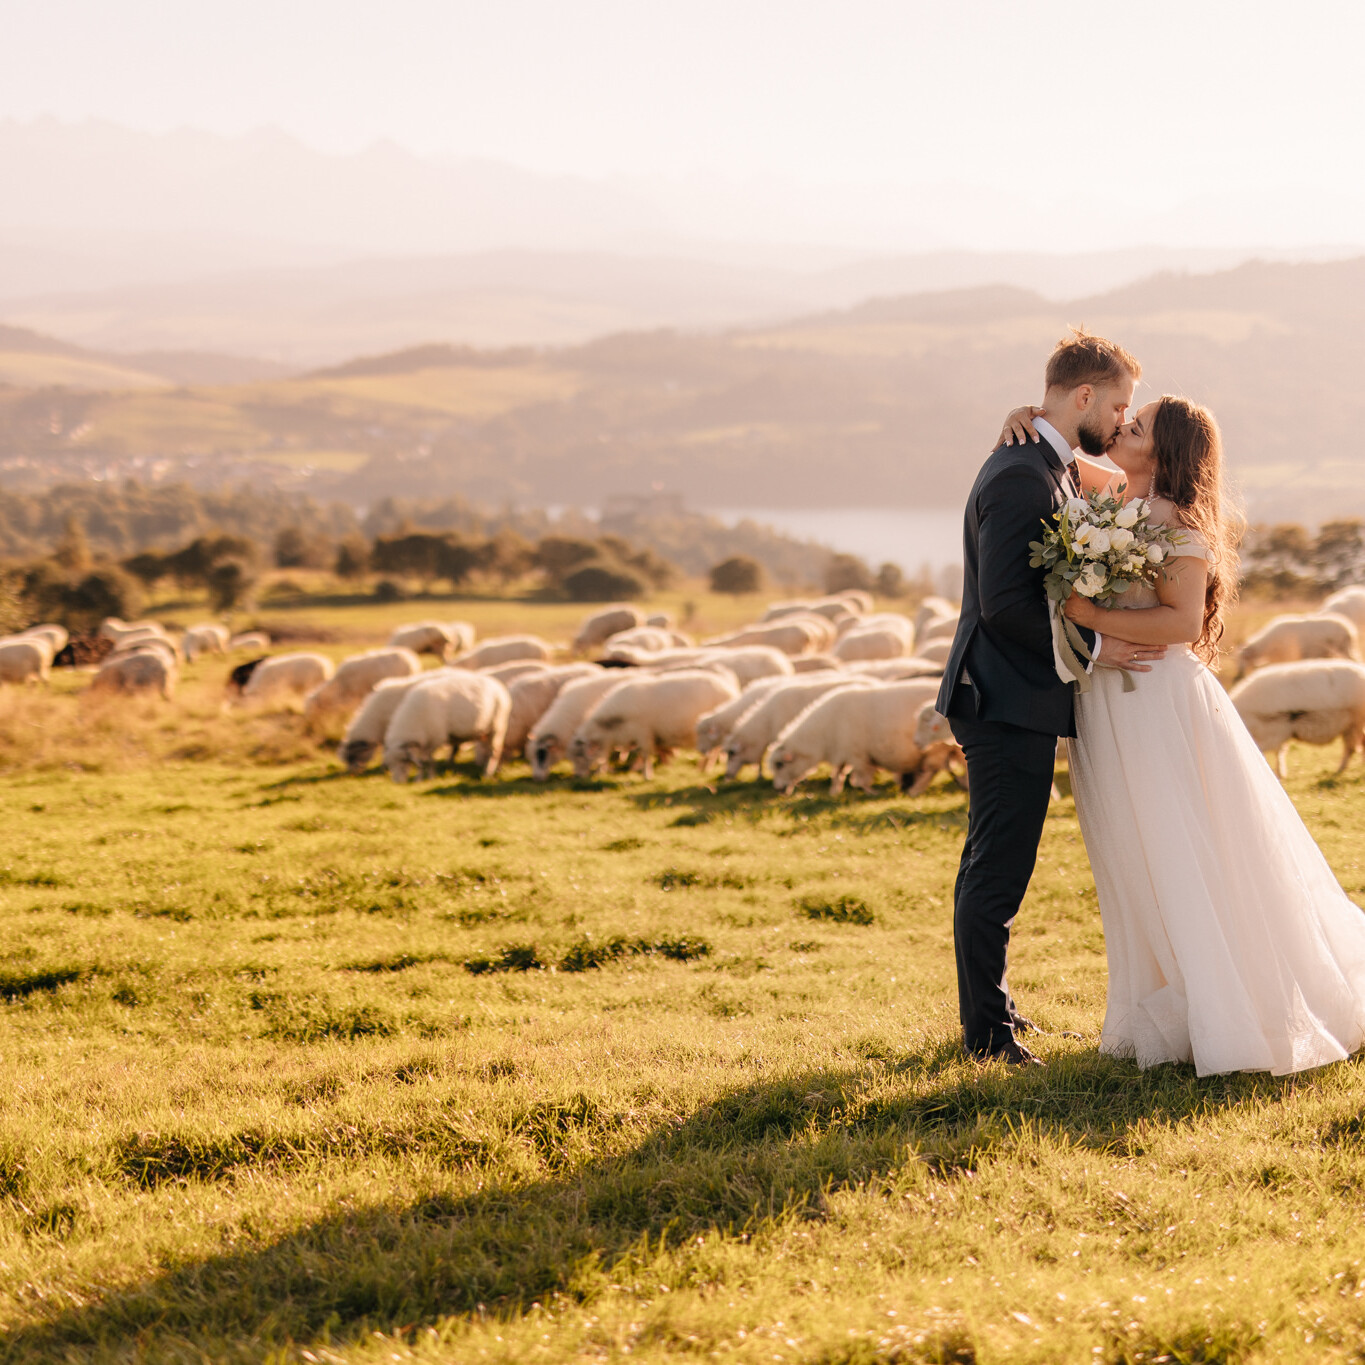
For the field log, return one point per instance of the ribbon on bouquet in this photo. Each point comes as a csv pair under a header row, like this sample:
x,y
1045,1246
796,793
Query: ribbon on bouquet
x,y
1069,649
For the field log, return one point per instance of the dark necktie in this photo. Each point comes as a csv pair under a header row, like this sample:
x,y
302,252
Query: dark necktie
x,y
1073,472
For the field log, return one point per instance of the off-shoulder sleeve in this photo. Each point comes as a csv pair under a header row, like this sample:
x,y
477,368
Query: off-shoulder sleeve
x,y
1188,544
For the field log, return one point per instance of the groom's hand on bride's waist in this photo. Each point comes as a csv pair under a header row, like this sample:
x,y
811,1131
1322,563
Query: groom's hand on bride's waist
x,y
1116,653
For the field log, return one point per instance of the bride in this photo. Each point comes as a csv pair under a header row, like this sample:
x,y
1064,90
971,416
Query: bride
x,y
1230,942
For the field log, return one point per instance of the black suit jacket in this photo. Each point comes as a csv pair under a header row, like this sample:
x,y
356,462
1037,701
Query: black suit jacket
x,y
1004,636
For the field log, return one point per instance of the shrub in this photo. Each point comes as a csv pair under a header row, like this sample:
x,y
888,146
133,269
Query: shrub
x,y
737,575
230,583
353,558
602,583
844,910
847,571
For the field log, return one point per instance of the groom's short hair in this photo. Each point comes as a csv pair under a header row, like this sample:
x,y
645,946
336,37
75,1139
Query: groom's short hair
x,y
1082,358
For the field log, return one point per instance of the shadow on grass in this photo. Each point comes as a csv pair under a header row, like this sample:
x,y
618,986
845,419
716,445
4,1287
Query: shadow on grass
x,y
748,1159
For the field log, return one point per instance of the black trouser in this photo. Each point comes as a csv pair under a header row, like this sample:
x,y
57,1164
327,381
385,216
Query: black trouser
x,y
1010,773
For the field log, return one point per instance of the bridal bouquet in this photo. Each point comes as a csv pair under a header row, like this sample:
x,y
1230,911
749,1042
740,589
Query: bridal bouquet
x,y
1098,546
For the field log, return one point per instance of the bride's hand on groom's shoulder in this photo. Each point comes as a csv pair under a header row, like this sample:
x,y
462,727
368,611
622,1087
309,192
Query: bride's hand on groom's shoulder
x,y
1019,426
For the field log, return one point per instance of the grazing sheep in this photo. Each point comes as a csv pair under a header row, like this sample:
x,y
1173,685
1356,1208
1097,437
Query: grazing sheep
x,y
553,733
1350,603
761,725
935,652
896,670
939,628
249,640
365,733
650,639
240,675
141,671
932,609
661,620
24,661
505,649
355,678
598,628
285,679
113,629
855,599
458,705
462,635
130,639
507,674
648,715
56,636
793,635
748,663
533,695
714,728
777,610
879,641
424,637
1290,638
936,740
856,730
152,645
1314,701
207,638
816,663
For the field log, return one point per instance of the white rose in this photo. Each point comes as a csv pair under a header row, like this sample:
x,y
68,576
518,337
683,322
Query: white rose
x,y
1090,581
1077,507
1134,563
1121,539
1083,533
1127,517
1099,541
1155,554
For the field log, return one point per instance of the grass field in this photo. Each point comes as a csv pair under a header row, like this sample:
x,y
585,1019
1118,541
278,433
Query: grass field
x,y
310,1067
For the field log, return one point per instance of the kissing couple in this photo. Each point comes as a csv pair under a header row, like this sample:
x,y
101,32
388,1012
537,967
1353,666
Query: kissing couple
x,y
1230,943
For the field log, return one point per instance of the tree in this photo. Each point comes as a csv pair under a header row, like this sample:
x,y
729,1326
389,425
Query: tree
x,y
1338,554
560,555
353,557
603,583
230,583
508,556
890,581
737,575
414,554
73,549
847,571
149,568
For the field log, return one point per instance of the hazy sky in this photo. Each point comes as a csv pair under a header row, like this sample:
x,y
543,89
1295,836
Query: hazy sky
x,y
1155,102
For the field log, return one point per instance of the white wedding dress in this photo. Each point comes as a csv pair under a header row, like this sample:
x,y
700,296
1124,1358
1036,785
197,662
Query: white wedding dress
x,y
1230,943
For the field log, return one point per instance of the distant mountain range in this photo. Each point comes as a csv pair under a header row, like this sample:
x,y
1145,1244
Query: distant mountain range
x,y
891,403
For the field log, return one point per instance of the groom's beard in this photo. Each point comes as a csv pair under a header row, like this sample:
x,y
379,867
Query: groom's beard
x,y
1090,441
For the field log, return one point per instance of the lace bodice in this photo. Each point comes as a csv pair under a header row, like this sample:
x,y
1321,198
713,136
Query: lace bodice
x,y
1140,596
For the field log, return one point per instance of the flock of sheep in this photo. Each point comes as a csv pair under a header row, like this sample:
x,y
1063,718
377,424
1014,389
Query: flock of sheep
x,y
827,681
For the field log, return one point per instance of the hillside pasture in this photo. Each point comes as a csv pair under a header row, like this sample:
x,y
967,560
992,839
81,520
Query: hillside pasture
x,y
310,1067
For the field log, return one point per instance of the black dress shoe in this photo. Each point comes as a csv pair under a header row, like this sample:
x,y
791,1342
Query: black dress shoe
x,y
1012,1053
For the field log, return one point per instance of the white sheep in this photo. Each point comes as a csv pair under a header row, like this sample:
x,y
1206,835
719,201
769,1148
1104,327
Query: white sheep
x,y
23,660
661,620
553,733
793,635
1289,638
1314,700
141,671
856,730
650,639
938,628
355,678
142,635
458,705
151,644
507,674
533,695
714,728
111,628
935,652
249,641
365,732
1350,603
206,638
748,741
286,679
816,663
504,649
424,637
932,609
940,748
55,635
748,663
462,635
598,628
648,715
875,641
896,670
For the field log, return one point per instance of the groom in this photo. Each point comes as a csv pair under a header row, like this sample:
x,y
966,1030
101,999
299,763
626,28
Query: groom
x,y
1001,693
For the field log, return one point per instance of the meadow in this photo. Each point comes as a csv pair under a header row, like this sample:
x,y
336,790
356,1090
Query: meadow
x,y
310,1067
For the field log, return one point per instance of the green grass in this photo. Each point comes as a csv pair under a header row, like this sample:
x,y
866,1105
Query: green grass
x,y
699,1096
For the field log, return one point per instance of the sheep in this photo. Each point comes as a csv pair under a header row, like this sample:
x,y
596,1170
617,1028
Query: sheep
x,y
660,620
241,675
462,635
855,598
507,674
939,628
761,725
872,642
932,609
816,663
365,733
748,663
896,670
936,652
1290,638
139,671
1313,700
792,635
424,637
111,628
56,636
777,610
286,679
355,678
714,728
250,640
856,730
1350,603
504,649
598,628
129,639
24,661
206,638
152,645
935,739
533,695
553,733
651,639
458,705
647,714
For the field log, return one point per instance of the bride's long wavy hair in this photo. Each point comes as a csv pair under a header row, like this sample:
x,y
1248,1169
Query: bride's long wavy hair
x,y
1189,472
